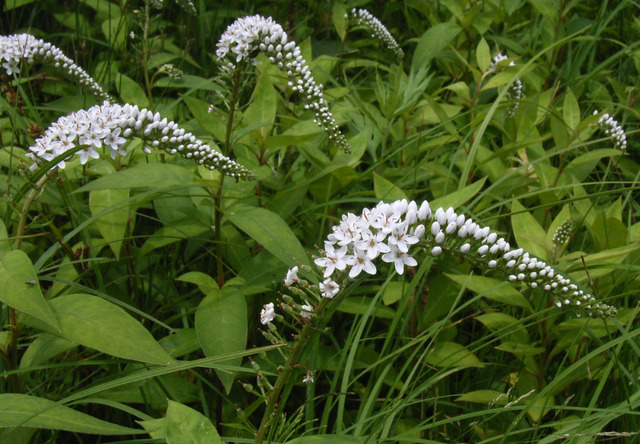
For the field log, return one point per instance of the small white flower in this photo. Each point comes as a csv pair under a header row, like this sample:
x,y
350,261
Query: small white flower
x,y
292,277
333,259
329,288
267,314
309,378
307,311
399,259
360,261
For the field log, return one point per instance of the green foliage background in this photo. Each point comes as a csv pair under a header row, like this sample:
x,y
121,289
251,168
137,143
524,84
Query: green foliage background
x,y
137,320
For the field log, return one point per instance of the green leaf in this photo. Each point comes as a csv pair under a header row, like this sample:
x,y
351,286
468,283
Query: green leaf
x,y
20,289
143,175
269,230
494,289
130,91
262,109
434,40
205,283
386,190
221,325
528,232
113,225
183,229
484,397
184,425
518,349
5,245
457,198
45,347
32,411
338,16
12,4
499,321
393,292
101,325
451,354
461,89
327,439
483,55
571,111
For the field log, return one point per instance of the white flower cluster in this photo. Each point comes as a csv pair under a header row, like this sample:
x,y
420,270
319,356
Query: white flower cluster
x,y
247,36
362,17
515,90
390,231
612,129
111,125
24,47
563,233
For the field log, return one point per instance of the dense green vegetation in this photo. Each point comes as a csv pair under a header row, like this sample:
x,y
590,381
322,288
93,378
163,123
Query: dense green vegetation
x,y
147,274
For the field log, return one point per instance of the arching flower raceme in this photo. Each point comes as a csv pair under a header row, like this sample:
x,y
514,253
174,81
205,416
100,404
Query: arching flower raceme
x,y
515,89
563,233
247,36
110,126
18,48
362,17
439,232
612,129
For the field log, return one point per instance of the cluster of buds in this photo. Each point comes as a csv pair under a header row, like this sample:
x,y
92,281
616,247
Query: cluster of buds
x,y
563,233
111,126
186,5
395,232
171,71
362,17
612,129
515,89
248,36
17,48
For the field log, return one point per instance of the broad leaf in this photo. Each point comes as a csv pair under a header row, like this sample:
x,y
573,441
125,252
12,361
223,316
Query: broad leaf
x,y
494,289
386,190
101,325
221,325
263,105
269,230
143,175
183,425
434,40
113,225
528,232
451,354
19,287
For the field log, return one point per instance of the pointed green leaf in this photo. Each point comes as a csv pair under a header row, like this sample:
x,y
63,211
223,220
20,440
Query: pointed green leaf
x,y
5,245
528,232
386,190
99,324
483,55
451,354
130,91
269,230
184,425
263,105
45,347
31,411
338,16
205,283
20,289
143,175
434,40
484,397
113,225
457,198
571,111
221,325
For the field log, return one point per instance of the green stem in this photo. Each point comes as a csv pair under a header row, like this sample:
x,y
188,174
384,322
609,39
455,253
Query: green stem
x,y
285,373
12,348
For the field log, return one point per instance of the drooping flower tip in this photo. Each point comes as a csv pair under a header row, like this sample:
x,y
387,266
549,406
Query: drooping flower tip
x,y
362,17
383,231
18,48
514,92
108,126
563,233
249,35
